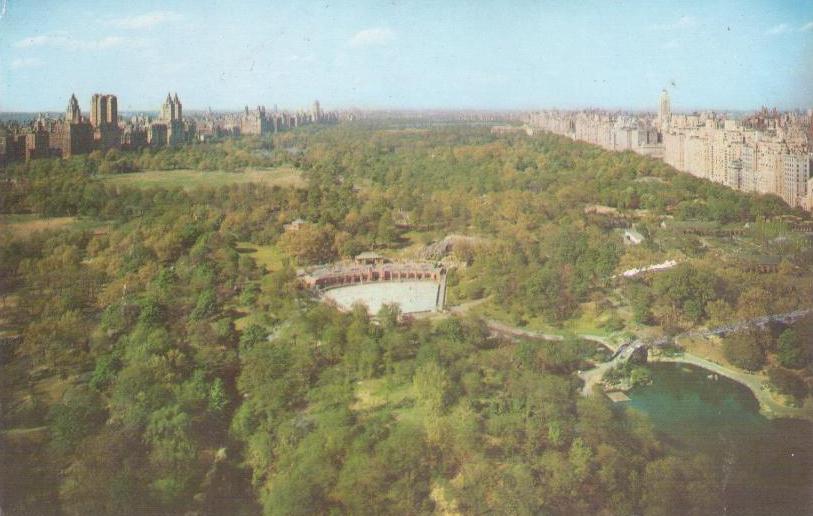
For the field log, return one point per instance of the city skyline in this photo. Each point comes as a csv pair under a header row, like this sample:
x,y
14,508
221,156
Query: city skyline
x,y
716,55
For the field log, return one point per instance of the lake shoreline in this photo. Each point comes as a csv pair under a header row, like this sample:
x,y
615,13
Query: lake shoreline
x,y
768,407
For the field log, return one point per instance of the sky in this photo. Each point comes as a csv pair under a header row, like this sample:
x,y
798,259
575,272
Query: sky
x,y
498,54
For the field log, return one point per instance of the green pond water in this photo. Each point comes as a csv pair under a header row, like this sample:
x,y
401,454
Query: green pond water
x,y
765,465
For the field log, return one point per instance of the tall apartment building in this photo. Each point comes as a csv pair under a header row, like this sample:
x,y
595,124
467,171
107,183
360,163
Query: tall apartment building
x,y
103,110
717,155
4,141
673,149
172,117
769,168
256,122
767,153
694,152
796,172
732,161
316,112
104,117
808,204
748,173
75,133
157,134
37,141
664,110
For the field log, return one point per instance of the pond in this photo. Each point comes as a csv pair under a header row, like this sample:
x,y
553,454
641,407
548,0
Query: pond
x,y
765,465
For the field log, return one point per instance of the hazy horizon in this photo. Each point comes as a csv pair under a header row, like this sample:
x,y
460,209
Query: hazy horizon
x,y
452,109
720,56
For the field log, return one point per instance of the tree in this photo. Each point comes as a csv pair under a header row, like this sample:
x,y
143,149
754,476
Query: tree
x,y
548,294
788,382
172,453
719,312
78,415
687,289
252,336
744,351
206,304
432,386
218,399
116,457
105,371
791,351
386,232
640,301
388,314
310,244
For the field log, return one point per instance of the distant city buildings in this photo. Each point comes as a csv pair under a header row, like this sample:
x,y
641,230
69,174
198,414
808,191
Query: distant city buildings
x,y
768,152
259,121
105,129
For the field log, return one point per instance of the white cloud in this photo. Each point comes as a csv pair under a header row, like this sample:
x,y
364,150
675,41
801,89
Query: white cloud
x,y
782,28
65,41
372,37
145,21
25,62
684,22
807,26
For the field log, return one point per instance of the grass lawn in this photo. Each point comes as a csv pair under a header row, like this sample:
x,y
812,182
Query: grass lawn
x,y
268,256
710,348
190,179
26,436
24,225
588,322
374,393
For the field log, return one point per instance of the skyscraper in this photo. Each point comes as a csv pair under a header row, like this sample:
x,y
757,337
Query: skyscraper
x,y
316,113
172,117
104,117
171,110
178,108
73,114
76,134
103,110
664,110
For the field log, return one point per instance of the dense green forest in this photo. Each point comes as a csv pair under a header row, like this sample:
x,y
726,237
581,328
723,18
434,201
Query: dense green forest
x,y
150,365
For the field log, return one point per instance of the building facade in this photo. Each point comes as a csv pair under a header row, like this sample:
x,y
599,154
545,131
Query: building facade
x,y
104,117
768,153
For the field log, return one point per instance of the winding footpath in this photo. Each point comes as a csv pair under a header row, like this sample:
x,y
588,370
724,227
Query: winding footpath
x,y
505,330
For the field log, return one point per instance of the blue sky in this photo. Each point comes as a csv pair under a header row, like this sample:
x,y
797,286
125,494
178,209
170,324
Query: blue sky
x,y
407,54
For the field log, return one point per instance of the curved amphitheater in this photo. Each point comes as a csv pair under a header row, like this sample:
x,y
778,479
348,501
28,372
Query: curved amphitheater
x,y
374,281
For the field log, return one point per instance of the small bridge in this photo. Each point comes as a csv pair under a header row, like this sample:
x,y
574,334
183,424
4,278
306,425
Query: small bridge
x,y
625,351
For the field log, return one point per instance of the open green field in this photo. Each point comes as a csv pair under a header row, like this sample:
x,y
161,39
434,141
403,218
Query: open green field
x,y
190,179
377,392
589,321
268,256
24,225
